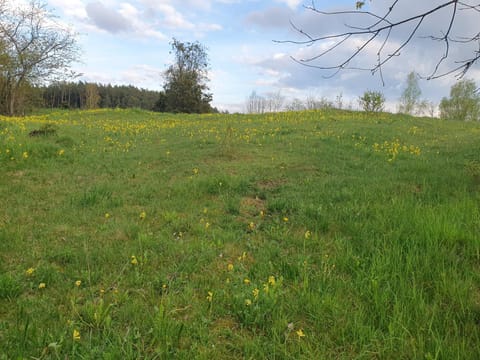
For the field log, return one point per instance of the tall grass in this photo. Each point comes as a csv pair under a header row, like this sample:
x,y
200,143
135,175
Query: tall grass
x,y
312,235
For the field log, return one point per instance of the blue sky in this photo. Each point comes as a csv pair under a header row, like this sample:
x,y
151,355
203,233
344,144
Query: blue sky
x,y
127,42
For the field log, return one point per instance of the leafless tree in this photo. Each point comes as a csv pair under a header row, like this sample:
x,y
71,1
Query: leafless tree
x,y
255,104
34,48
367,31
274,101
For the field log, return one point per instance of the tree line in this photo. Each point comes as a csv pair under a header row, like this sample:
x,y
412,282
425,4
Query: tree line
x,y
462,104
36,55
83,95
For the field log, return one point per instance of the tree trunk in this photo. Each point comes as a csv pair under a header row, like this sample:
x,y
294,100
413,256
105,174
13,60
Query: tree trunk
x,y
11,101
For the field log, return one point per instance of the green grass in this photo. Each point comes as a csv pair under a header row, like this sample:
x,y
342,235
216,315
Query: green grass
x,y
315,235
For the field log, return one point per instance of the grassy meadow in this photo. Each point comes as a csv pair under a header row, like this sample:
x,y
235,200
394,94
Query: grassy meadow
x,y
126,234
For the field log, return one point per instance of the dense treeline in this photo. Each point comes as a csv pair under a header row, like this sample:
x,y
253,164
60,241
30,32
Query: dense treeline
x,y
83,95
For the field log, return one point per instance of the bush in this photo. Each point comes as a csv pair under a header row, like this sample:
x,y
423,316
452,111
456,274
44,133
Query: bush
x,y
372,101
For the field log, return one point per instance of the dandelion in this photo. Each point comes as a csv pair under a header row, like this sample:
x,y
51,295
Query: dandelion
x,y
243,256
25,155
308,234
285,219
255,293
230,267
195,171
300,333
271,280
42,285
246,281
133,260
143,215
251,226
78,283
76,335
107,215
210,296
248,302
61,152
29,271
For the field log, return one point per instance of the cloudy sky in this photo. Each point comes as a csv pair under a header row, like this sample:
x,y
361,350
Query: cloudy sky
x,y
127,42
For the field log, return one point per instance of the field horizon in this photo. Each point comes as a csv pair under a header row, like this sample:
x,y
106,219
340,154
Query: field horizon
x,y
297,235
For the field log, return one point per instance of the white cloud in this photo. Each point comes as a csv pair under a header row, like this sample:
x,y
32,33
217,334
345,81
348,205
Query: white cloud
x,y
73,8
107,18
291,3
143,76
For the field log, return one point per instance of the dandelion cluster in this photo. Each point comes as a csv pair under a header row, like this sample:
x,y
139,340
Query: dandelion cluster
x,y
394,148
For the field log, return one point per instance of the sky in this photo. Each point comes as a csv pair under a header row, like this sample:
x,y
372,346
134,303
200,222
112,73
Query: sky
x,y
128,42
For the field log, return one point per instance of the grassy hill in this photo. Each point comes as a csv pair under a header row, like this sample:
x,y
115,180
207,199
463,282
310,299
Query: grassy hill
x,y
314,235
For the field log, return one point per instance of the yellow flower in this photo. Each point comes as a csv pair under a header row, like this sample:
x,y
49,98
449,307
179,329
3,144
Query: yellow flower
x,y
61,152
246,281
300,333
133,260
308,234
76,335
251,226
285,219
78,283
107,215
143,215
271,280
255,293
30,271
25,155
207,225
210,296
248,302
42,285
230,267
195,171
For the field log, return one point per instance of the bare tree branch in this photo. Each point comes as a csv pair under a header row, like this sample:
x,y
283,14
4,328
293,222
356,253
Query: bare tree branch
x,y
380,29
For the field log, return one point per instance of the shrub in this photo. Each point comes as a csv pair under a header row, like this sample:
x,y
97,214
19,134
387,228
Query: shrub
x,y
372,101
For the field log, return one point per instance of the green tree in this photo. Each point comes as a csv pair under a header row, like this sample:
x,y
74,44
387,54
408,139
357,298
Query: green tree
x,y
463,104
186,89
372,101
34,49
410,102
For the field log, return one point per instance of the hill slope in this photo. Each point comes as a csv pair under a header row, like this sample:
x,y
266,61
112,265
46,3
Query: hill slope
x,y
128,234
